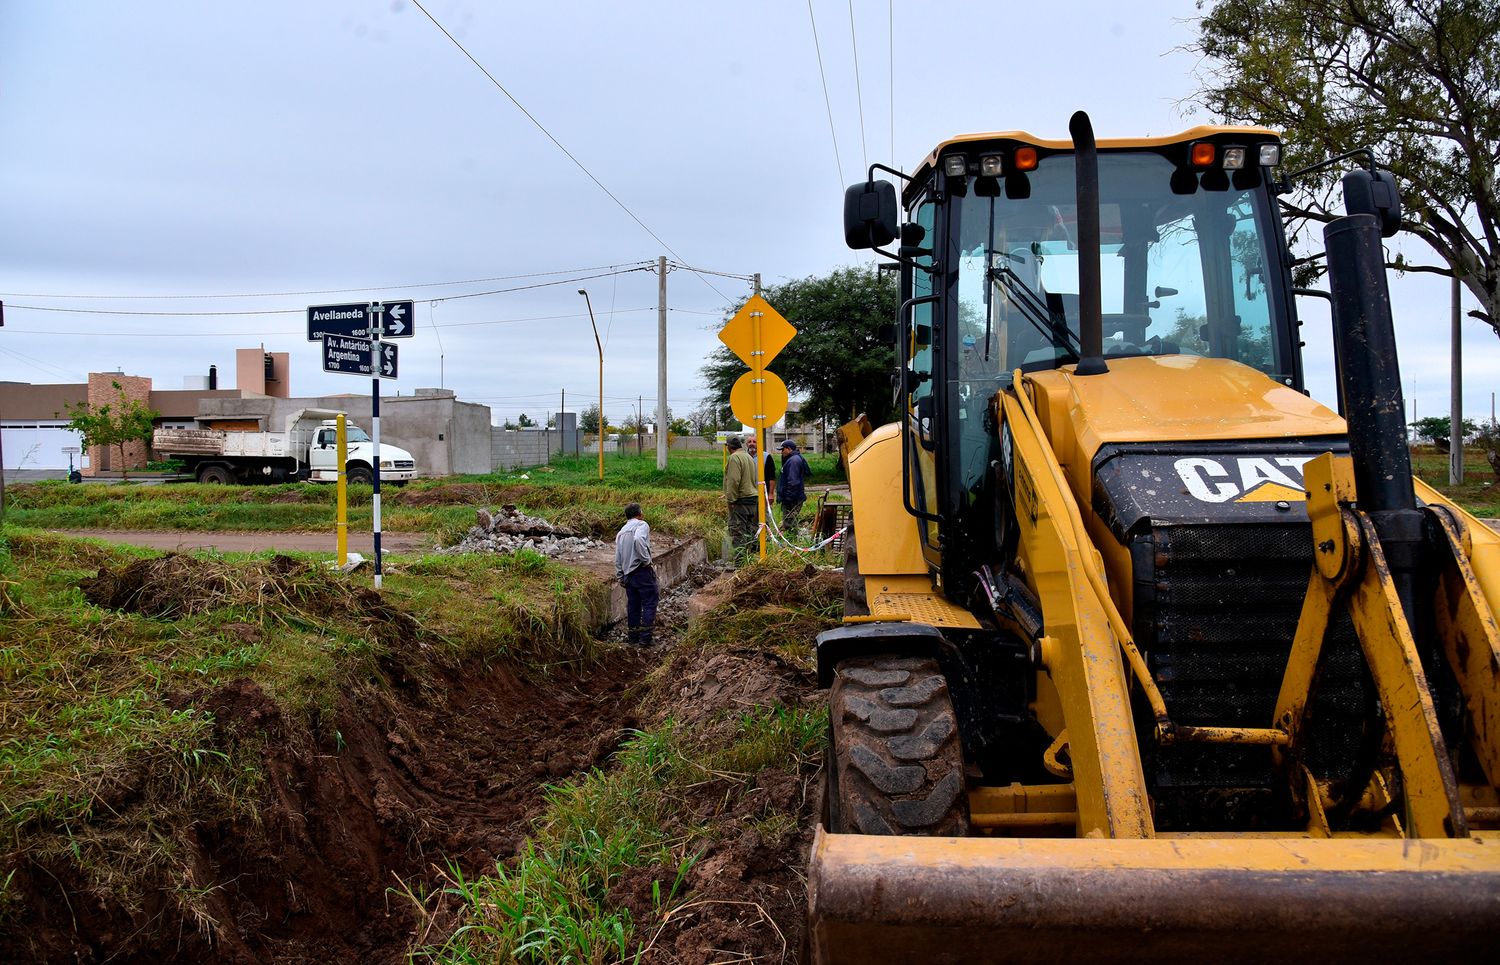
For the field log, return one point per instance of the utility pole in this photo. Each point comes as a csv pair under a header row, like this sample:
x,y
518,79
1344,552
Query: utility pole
x,y
661,363
1456,404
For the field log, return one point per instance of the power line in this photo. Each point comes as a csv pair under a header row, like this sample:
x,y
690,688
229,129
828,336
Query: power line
x,y
539,126
858,92
333,291
301,311
705,271
262,333
838,162
38,363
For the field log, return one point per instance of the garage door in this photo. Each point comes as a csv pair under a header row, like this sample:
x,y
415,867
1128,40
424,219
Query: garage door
x,y
37,445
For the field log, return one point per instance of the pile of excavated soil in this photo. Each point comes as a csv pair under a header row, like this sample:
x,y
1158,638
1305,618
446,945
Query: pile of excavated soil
x,y
403,781
176,585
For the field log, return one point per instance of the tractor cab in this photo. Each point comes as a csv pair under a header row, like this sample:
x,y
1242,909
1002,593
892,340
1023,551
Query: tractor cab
x,y
1192,261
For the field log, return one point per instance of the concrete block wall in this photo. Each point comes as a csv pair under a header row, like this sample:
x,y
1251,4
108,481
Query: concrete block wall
x,y
510,448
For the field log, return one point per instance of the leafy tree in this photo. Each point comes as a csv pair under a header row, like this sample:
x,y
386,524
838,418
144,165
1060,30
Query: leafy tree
x,y
681,427
525,421
114,424
837,363
1417,80
508,424
1436,429
588,421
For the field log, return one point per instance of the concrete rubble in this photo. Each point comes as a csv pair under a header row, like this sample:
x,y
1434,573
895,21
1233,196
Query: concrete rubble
x,y
506,530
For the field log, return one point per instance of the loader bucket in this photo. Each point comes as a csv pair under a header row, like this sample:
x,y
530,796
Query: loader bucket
x,y
1189,899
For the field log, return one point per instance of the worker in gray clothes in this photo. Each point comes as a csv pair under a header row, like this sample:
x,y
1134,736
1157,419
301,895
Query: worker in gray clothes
x,y
634,571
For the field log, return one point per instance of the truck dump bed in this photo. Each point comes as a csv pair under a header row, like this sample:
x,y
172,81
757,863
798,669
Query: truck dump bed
x,y
217,442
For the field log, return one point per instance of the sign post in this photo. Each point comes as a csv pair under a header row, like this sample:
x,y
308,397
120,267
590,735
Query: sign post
x,y
353,344
757,334
377,313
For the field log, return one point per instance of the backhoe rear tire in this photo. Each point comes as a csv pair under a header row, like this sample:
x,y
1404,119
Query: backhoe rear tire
x,y
896,765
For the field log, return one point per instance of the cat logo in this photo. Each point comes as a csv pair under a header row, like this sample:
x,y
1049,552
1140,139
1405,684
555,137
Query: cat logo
x,y
1253,479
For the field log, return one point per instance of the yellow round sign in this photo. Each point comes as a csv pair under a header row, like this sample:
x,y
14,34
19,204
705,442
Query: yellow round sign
x,y
756,403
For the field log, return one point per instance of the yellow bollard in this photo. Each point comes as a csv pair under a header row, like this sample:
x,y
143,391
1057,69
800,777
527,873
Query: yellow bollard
x,y
343,487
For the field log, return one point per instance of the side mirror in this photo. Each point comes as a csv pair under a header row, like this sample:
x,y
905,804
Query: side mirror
x,y
870,214
1374,192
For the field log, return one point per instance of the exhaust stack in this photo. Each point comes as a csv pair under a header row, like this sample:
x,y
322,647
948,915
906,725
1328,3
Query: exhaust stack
x,y
1090,301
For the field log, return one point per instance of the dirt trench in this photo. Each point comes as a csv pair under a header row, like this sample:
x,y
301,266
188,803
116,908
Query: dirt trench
x,y
407,785
419,772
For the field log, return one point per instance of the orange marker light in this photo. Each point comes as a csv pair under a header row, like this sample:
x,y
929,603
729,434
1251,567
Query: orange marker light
x,y
1025,159
1202,154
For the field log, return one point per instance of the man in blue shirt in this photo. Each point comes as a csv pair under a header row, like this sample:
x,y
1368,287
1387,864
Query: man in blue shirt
x,y
790,491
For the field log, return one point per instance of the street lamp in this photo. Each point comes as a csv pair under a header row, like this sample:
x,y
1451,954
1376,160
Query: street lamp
x,y
600,346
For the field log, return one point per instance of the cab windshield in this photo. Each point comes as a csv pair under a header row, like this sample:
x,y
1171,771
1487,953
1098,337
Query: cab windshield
x,y
1181,273
353,434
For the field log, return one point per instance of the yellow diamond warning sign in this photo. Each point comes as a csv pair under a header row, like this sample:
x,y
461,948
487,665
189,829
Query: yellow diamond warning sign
x,y
757,333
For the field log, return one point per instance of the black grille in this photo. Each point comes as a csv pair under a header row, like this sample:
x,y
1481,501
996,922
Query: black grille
x,y
1216,609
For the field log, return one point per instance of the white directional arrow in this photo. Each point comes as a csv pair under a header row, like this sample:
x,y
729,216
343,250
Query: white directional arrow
x,y
390,351
396,326
388,368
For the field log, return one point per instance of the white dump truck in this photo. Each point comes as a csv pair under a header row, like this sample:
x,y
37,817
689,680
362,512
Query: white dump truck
x,y
306,449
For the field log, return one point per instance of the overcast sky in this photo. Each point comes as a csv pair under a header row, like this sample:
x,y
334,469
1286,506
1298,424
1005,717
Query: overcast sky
x,y
268,153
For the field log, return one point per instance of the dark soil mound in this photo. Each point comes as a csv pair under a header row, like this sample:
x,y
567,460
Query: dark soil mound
x,y
397,785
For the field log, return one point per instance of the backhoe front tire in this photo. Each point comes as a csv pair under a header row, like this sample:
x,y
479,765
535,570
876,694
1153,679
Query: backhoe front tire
x,y
896,765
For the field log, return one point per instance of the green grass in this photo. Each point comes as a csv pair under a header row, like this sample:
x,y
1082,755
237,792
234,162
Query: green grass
x,y
288,507
553,902
686,469
663,798
104,756
1480,491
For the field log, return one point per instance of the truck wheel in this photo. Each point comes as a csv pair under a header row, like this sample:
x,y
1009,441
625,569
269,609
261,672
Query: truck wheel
x,y
360,476
896,762
215,475
855,602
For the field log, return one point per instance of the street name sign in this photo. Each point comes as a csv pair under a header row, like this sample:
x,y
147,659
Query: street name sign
x,y
352,320
355,356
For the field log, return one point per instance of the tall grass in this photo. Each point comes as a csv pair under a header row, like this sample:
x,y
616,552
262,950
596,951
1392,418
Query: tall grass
x,y
554,902
104,759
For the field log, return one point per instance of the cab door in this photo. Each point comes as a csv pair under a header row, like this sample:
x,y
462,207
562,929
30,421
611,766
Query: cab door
x,y
323,453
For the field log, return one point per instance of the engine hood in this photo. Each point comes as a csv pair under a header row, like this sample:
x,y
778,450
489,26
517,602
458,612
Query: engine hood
x,y
1175,398
364,450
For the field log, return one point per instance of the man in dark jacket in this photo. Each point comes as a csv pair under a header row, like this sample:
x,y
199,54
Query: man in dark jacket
x,y
791,492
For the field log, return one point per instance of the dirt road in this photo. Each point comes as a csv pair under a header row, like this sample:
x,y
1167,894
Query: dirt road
x,y
254,542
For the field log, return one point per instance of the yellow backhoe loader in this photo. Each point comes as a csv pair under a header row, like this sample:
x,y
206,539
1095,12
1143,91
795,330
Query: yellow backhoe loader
x,y
1147,655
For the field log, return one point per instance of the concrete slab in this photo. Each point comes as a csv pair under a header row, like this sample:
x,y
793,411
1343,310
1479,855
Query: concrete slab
x,y
672,558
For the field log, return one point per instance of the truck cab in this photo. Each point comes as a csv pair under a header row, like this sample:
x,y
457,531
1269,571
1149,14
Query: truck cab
x,y
396,465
